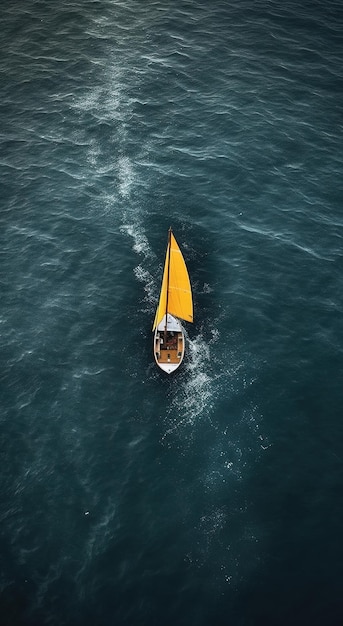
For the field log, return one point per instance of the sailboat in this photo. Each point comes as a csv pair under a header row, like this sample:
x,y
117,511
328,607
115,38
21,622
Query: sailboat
x,y
175,303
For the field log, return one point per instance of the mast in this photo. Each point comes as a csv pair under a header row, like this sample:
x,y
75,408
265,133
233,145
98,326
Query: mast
x,y
165,326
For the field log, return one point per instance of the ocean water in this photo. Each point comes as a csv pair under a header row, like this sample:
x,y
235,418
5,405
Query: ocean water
x,y
211,497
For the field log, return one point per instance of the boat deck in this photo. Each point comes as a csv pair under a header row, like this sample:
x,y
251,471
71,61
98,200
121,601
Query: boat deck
x,y
169,356
172,351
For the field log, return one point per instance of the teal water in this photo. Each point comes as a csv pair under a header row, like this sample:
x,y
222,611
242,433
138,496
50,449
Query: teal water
x,y
211,497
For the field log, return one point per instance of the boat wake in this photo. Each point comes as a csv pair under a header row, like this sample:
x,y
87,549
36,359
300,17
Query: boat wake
x,y
213,400
116,173
214,383
133,229
196,391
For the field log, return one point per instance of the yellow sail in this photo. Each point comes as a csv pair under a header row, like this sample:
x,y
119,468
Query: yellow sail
x,y
176,293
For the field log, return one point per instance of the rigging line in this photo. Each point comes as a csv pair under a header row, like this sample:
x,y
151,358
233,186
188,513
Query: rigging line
x,y
169,247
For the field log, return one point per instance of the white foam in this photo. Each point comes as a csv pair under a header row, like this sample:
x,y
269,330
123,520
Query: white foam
x,y
107,103
196,392
134,229
126,176
149,284
212,523
93,153
136,232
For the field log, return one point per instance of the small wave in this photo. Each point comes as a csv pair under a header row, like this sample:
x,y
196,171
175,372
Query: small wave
x,y
284,239
81,373
101,531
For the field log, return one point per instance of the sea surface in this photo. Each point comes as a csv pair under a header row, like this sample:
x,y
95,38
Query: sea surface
x,y
212,497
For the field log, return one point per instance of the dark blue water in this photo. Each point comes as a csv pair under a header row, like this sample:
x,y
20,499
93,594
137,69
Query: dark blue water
x,y
212,497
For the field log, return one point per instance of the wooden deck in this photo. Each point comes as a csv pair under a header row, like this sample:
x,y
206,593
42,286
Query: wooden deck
x,y
172,352
169,356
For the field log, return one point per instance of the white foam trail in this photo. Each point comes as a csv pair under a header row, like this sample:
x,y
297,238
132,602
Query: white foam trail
x,y
136,232
107,103
126,176
208,375
149,284
198,389
212,523
93,153
142,248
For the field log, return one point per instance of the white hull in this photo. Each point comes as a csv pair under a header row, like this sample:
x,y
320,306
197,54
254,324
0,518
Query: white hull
x,y
169,352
